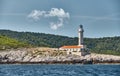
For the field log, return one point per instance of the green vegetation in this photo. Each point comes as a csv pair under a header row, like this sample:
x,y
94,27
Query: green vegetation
x,y
7,43
40,39
107,45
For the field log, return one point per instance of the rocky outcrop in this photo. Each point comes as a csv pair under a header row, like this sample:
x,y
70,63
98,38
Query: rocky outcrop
x,y
26,56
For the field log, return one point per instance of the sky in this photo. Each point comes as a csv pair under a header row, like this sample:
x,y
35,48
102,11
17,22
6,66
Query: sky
x,y
100,18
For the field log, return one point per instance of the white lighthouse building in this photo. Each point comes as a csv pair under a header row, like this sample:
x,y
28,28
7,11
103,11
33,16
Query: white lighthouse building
x,y
80,35
79,49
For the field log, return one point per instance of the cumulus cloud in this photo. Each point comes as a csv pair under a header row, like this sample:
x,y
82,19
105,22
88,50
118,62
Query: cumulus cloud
x,y
55,26
36,14
58,13
54,12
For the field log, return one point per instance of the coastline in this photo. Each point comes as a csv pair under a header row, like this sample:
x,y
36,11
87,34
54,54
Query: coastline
x,y
52,56
61,62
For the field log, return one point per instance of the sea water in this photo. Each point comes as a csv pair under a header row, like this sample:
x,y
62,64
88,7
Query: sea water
x,y
59,70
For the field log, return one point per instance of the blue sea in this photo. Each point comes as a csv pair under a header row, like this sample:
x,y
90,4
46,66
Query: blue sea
x,y
59,70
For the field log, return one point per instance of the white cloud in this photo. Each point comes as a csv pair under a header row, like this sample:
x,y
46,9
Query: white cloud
x,y
58,13
55,26
54,12
36,14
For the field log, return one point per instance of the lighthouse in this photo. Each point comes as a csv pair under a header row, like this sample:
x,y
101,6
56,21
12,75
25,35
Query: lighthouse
x,y
80,35
79,49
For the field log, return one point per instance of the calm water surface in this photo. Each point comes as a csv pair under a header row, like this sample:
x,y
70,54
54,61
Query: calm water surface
x,y
59,70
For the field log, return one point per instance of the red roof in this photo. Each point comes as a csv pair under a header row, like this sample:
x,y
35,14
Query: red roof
x,y
72,46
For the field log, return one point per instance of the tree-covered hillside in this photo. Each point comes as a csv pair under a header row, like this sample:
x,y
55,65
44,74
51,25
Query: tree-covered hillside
x,y
7,43
108,45
40,39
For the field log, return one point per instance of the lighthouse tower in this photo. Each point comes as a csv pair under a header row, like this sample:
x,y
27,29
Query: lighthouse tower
x,y
79,49
80,35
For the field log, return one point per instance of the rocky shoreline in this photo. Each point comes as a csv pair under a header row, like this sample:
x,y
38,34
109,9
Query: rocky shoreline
x,y
28,56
